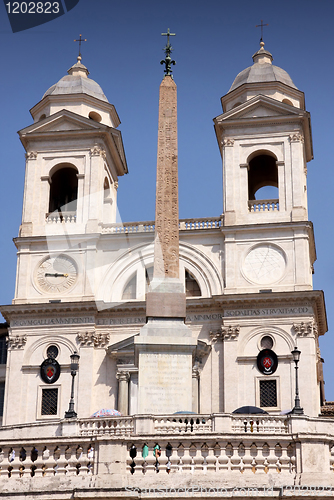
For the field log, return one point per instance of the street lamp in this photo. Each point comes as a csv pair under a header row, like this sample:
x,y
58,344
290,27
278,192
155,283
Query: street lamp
x,y
297,409
74,368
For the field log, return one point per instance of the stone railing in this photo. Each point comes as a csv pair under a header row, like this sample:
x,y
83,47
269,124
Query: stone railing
x,y
149,226
117,426
61,217
184,425
256,424
40,459
246,455
263,206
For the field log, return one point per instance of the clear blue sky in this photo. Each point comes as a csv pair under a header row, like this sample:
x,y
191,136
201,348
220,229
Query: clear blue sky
x,y
215,41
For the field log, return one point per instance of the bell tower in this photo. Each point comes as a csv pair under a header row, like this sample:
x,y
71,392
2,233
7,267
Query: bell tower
x,y
74,156
264,136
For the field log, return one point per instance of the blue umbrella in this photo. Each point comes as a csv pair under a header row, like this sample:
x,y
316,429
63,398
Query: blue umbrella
x,y
105,412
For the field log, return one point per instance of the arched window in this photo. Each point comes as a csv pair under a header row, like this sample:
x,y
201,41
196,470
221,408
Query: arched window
x,y
64,190
191,285
130,289
287,101
262,178
148,277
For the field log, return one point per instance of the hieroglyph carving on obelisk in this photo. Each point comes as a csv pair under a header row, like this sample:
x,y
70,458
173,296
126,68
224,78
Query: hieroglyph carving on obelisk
x,y
166,245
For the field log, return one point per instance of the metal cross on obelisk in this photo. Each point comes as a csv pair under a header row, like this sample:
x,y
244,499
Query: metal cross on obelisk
x,y
168,50
80,40
261,26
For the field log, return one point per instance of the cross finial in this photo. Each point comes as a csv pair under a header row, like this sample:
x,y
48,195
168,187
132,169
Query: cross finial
x,y
261,26
168,50
80,40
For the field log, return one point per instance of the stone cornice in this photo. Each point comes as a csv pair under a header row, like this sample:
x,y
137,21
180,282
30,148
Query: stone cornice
x,y
195,306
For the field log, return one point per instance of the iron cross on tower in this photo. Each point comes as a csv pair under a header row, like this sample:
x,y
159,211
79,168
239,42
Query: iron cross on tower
x,y
168,50
261,26
80,40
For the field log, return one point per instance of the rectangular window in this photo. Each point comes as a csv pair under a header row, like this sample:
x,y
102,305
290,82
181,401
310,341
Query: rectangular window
x,y
2,397
268,393
3,350
49,402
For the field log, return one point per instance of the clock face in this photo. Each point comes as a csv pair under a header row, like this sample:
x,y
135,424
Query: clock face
x,y
264,264
56,274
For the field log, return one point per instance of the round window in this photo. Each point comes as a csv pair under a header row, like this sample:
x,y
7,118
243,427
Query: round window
x,y
52,352
266,342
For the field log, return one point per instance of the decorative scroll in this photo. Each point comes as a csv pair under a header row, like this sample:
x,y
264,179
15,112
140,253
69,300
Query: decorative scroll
x,y
225,333
297,137
31,155
228,142
123,376
98,151
16,342
303,329
93,339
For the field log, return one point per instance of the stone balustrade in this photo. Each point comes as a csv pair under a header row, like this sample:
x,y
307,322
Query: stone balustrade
x,y
263,206
266,449
118,426
46,458
256,424
174,425
61,218
261,456
149,226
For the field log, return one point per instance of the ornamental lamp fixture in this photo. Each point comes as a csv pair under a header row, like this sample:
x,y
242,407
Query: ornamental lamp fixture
x,y
297,409
74,361
296,355
74,368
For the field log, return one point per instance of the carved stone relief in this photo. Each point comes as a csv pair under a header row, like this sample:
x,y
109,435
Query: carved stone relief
x,y
93,339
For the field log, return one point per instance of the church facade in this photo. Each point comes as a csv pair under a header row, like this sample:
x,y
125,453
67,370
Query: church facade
x,y
250,308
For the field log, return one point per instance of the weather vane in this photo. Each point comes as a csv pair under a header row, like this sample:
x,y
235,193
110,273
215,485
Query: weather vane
x,y
80,40
261,26
168,50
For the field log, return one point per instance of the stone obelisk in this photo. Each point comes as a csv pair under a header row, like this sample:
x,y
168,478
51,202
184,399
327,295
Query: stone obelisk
x,y
165,345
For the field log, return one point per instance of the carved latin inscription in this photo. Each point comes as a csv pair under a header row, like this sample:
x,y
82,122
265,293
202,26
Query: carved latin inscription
x,y
166,245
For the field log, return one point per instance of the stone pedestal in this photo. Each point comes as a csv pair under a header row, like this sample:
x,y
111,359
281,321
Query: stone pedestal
x,y
164,352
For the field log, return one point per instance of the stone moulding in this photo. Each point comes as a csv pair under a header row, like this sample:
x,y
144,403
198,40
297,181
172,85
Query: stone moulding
x,y
93,339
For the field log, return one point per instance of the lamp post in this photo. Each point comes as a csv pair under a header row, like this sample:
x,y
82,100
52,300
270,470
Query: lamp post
x,y
297,409
74,368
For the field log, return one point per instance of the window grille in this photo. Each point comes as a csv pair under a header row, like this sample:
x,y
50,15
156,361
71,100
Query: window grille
x,y
268,393
3,350
267,342
2,397
52,352
49,401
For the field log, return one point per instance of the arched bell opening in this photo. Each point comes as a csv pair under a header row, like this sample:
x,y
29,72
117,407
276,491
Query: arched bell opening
x,y
263,177
64,190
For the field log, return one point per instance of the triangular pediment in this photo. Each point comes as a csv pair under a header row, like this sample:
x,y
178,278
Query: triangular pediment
x,y
260,107
64,120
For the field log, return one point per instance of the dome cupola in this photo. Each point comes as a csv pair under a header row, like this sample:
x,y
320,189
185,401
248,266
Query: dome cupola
x,y
263,78
79,94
